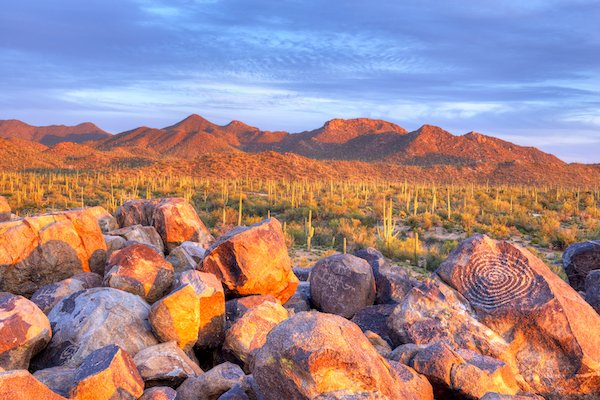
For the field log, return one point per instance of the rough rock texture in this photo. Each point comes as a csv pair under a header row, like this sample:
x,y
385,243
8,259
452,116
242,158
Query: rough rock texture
x,y
141,234
4,209
300,301
393,285
415,382
313,353
177,317
342,284
249,333
454,377
546,322
235,308
375,259
434,312
91,319
139,270
58,379
21,385
185,257
175,220
39,251
211,297
113,243
405,353
235,393
303,274
520,396
579,259
108,373
592,289
48,296
106,222
24,332
253,390
252,260
213,383
165,365
374,318
381,346
159,393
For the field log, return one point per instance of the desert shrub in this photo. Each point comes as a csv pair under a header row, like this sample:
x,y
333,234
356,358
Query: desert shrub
x,y
397,249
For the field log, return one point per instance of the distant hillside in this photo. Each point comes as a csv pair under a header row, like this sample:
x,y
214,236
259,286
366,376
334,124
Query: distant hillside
x,y
353,139
51,135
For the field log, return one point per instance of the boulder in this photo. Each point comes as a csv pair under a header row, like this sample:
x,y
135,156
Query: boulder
x,y
379,344
185,257
24,332
592,289
393,285
58,379
139,270
236,308
175,220
212,384
249,333
21,385
48,296
303,274
434,312
253,390
520,396
39,251
235,393
415,382
159,393
405,353
108,373
546,322
375,259
252,260
177,317
4,209
91,319
454,377
113,243
342,284
211,297
374,318
140,234
105,220
579,259
165,365
313,353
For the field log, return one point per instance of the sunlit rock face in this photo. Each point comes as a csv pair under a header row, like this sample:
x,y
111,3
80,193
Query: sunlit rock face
x,y
175,220
39,251
550,330
252,260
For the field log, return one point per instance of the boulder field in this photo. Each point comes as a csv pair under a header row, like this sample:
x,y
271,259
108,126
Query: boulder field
x,y
150,306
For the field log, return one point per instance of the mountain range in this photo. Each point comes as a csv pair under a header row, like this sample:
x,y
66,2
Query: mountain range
x,y
353,139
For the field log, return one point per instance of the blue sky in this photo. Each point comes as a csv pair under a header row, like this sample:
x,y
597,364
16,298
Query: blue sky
x,y
523,71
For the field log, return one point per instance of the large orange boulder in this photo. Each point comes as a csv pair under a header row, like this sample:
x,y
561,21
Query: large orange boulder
x,y
108,373
252,260
175,220
4,209
139,270
105,220
434,312
311,354
39,251
24,332
21,385
211,300
249,333
551,330
91,319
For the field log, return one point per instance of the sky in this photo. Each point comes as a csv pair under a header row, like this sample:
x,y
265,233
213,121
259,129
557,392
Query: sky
x,y
524,71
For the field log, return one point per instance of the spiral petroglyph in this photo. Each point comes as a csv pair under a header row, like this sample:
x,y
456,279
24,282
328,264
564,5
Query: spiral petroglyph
x,y
491,281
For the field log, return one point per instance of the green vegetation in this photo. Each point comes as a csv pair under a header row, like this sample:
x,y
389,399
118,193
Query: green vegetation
x,y
410,223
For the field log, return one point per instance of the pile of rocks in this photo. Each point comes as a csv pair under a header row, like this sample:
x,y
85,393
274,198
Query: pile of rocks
x,y
158,309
